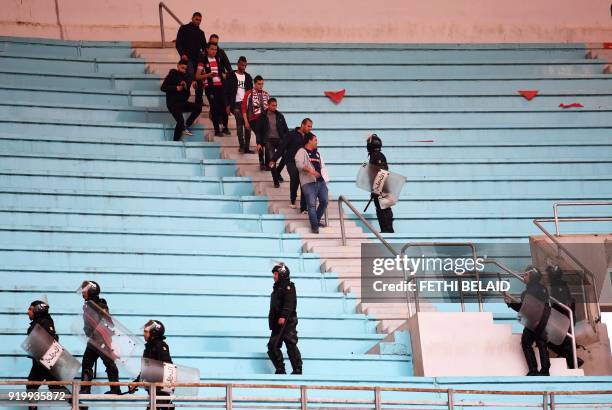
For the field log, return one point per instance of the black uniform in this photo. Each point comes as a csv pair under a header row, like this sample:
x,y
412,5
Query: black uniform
x,y
537,290
177,103
94,311
560,290
289,146
283,303
385,216
40,373
157,349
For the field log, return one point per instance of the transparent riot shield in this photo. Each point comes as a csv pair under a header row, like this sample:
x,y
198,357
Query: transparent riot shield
x,y
111,338
387,185
41,346
557,327
154,371
533,313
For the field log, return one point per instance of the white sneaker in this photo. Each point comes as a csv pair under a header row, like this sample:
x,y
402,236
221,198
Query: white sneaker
x,y
187,131
292,206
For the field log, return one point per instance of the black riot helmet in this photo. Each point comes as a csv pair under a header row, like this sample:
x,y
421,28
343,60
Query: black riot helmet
x,y
374,143
155,328
555,273
91,288
534,274
283,271
39,308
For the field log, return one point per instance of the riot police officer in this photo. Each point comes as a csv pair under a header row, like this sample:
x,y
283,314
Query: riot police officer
x,y
95,310
377,158
282,320
532,278
559,289
38,312
155,349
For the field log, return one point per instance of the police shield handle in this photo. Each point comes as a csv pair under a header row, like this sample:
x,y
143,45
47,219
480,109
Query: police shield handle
x,y
41,346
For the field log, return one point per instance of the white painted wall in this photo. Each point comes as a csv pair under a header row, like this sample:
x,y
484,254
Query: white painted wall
x,y
403,21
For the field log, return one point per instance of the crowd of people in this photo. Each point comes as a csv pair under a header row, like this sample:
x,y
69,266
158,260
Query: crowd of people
x,y
205,67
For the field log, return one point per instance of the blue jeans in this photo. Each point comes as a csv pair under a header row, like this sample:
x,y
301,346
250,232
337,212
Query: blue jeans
x,y
312,192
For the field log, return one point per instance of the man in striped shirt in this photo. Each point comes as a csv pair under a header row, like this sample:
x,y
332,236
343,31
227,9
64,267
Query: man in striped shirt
x,y
211,73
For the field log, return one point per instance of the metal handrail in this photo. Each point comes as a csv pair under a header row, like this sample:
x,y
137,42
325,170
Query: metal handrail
x,y
538,223
162,7
571,334
595,203
344,200
227,400
447,244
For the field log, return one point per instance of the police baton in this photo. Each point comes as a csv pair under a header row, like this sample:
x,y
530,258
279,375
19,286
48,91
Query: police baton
x,y
368,204
280,334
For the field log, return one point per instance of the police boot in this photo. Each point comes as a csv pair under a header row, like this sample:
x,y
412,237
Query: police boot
x,y
532,364
544,360
295,358
86,376
113,376
276,357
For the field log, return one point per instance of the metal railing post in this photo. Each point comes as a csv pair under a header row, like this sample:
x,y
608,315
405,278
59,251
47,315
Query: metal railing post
x,y
228,397
552,401
161,25
341,215
163,7
303,398
451,399
153,397
377,401
545,400
75,395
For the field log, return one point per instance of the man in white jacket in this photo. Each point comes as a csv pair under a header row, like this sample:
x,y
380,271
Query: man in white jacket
x,y
313,180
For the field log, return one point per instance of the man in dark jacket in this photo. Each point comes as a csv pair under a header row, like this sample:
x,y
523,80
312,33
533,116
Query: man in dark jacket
x,y
559,289
38,312
289,146
274,130
155,349
377,158
238,83
283,320
95,310
211,74
536,290
190,41
176,87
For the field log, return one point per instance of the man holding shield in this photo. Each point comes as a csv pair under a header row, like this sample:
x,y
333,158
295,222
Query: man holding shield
x,y
96,327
